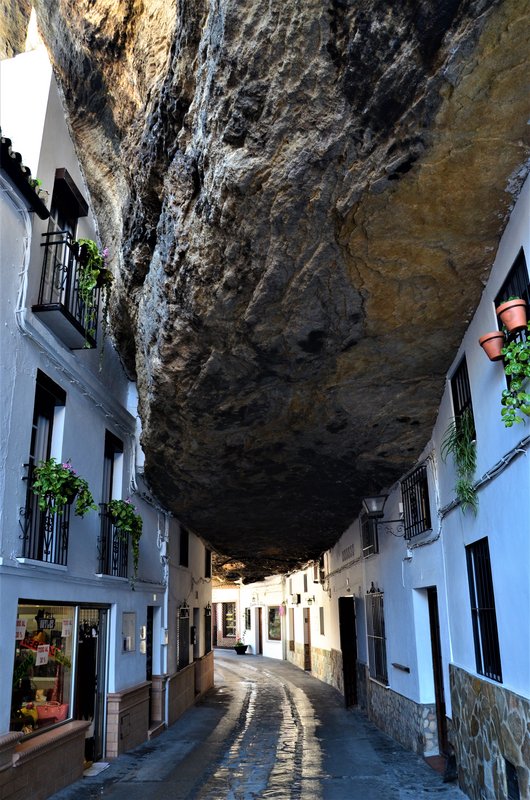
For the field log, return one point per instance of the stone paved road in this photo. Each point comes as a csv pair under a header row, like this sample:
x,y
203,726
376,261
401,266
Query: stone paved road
x,y
269,731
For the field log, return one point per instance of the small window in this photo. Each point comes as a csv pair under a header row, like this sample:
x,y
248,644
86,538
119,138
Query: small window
x,y
375,625
275,626
207,563
247,619
370,542
305,582
517,283
461,391
291,630
321,619
128,628
184,547
416,509
485,635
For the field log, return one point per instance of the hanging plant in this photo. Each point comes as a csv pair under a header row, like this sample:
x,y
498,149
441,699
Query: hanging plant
x,y
128,524
58,484
459,441
92,274
515,400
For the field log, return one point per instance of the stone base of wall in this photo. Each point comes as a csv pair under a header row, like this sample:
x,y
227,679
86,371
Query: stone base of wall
x,y
297,656
326,665
158,698
411,724
127,719
362,686
490,725
203,674
41,766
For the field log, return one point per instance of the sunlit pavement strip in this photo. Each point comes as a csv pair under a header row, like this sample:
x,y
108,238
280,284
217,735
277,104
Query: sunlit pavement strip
x,y
268,731
96,768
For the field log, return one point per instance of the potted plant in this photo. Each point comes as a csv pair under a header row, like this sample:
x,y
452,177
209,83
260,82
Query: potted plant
x,y
512,314
127,523
515,400
459,441
492,343
240,647
58,484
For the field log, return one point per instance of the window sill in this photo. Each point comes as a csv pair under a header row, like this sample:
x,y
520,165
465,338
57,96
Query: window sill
x,y
32,562
111,577
379,683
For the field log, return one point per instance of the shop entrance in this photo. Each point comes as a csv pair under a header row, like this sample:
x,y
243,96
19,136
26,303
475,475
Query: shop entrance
x,y
348,646
91,677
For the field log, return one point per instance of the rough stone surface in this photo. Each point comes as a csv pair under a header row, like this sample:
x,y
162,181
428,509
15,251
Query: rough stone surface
x,y
303,202
490,727
14,18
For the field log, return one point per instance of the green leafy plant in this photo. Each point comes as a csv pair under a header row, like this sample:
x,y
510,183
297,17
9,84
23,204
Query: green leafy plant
x,y
240,640
459,441
128,524
92,273
57,484
515,400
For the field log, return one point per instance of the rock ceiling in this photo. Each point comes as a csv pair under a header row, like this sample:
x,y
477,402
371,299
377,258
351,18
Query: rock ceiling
x,y
303,201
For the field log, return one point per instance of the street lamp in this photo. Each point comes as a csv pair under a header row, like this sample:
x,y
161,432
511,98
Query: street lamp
x,y
373,508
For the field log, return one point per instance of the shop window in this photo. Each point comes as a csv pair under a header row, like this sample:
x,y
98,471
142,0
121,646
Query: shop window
x,y
416,508
45,533
369,539
375,625
229,620
128,629
113,549
274,623
484,617
184,548
42,676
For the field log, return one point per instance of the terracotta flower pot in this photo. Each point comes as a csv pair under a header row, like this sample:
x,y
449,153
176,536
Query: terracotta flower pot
x,y
492,343
512,314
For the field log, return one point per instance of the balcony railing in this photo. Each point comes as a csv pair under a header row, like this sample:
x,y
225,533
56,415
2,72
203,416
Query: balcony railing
x,y
45,533
60,305
113,550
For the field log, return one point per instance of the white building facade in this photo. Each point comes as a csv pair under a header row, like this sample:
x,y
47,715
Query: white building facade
x,y
99,654
421,615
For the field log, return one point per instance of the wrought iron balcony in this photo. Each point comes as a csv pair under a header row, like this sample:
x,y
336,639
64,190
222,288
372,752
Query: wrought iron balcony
x,y
45,533
60,304
113,550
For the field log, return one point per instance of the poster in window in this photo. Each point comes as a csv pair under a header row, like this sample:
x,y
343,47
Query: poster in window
x,y
67,628
20,633
42,655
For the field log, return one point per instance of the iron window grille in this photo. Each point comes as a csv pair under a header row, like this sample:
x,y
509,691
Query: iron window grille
x,y
516,284
375,625
44,532
113,548
484,617
369,537
461,391
248,623
415,497
72,318
45,536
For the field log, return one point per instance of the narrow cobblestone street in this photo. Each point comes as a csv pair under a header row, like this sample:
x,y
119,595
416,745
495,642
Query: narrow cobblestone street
x,y
268,730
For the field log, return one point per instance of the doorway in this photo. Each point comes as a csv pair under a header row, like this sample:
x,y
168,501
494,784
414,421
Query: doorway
x,y
307,639
259,629
196,640
436,648
91,678
348,646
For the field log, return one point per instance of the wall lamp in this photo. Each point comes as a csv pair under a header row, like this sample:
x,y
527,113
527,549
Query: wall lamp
x,y
373,508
